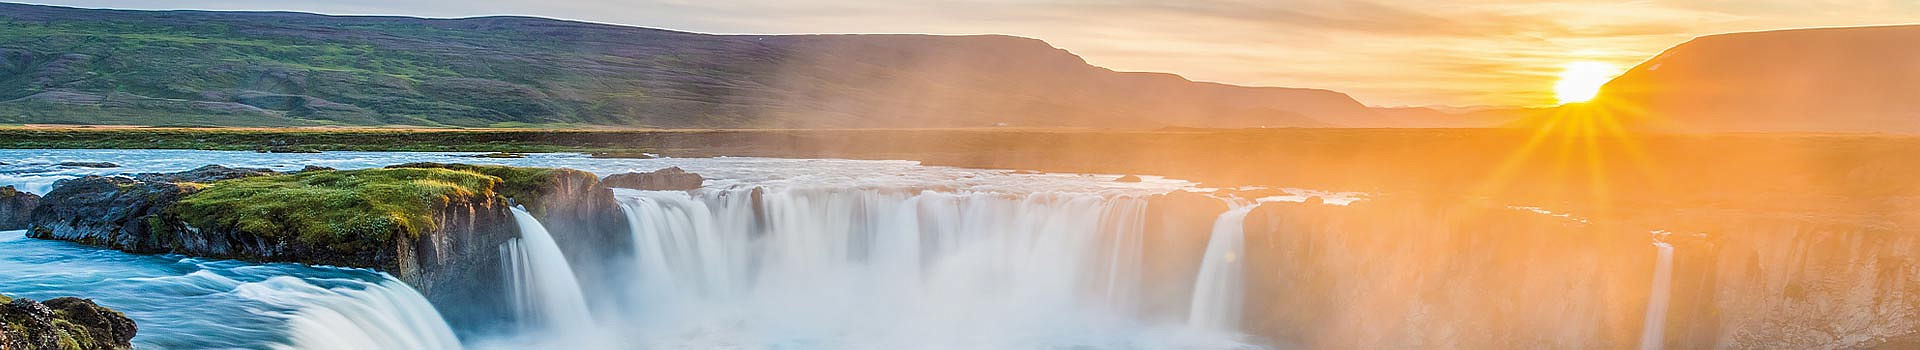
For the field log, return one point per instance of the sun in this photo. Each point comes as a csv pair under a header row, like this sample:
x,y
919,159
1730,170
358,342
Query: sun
x,y
1582,80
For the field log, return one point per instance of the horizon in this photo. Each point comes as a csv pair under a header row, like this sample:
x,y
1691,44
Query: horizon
x,y
1513,75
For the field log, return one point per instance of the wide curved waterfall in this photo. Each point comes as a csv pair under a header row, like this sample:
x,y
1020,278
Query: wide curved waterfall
x,y
885,268
1218,290
539,280
1652,335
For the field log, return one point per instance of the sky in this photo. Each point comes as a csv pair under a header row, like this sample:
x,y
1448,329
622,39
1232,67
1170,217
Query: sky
x,y
1384,53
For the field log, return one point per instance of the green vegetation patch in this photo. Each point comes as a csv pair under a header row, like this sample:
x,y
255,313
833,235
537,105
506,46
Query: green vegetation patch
x,y
347,210
525,185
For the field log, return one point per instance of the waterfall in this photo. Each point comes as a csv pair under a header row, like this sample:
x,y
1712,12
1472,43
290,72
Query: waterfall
x,y
539,281
362,315
882,268
1652,336
1217,292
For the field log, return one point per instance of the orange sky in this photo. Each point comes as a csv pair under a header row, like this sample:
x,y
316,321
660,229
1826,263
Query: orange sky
x,y
1459,53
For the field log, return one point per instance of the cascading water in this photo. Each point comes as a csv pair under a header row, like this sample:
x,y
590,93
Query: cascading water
x,y
539,281
1652,335
880,268
1218,290
387,315
188,303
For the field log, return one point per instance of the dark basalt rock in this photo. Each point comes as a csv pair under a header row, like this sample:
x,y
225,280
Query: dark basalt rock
x,y
129,213
312,168
669,179
15,206
116,212
63,324
575,207
89,164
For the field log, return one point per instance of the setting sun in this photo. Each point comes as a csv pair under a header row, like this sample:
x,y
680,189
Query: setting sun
x,y
1582,80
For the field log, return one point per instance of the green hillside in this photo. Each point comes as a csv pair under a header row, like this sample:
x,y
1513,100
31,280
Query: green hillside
x,y
85,66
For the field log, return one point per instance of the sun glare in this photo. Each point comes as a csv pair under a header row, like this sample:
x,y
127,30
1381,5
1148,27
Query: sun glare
x,y
1582,80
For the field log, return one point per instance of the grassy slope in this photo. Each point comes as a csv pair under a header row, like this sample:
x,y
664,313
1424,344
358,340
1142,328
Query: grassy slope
x,y
62,65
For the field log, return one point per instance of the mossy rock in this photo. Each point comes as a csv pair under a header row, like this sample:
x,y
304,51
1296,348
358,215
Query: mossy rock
x,y
63,323
527,186
344,211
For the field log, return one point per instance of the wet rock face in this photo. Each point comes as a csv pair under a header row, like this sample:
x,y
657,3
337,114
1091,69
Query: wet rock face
x,y
1177,227
1389,275
15,207
588,224
669,179
63,324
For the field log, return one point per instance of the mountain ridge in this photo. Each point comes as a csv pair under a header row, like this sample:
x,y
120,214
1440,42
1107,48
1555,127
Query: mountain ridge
x,y
276,68
1827,79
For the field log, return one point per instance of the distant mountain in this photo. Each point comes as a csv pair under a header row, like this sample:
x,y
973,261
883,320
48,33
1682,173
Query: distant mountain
x,y
88,66
1863,79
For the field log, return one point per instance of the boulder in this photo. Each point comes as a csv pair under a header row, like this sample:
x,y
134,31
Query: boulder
x,y
669,179
89,164
15,206
1127,178
62,324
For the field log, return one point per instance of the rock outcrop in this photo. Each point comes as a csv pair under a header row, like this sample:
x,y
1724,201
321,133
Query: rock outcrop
x,y
438,228
576,208
669,179
16,207
62,324
128,213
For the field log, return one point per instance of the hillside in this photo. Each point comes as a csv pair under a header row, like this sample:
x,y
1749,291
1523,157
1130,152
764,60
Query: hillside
x,y
1859,79
88,66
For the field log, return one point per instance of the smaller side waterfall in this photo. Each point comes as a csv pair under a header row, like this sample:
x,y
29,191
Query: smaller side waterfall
x,y
1217,291
386,315
1652,336
539,281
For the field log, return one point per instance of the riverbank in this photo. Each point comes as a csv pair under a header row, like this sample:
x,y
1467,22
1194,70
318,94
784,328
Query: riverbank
x,y
1861,178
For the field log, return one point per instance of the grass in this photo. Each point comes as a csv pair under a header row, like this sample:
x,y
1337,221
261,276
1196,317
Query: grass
x,y
345,211
523,185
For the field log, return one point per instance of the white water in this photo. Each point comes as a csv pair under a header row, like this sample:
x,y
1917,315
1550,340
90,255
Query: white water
x,y
888,269
384,315
1218,291
841,254
1653,336
545,293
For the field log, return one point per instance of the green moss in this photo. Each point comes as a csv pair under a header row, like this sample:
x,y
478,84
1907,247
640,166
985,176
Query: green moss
x,y
346,211
526,185
8,191
4,299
